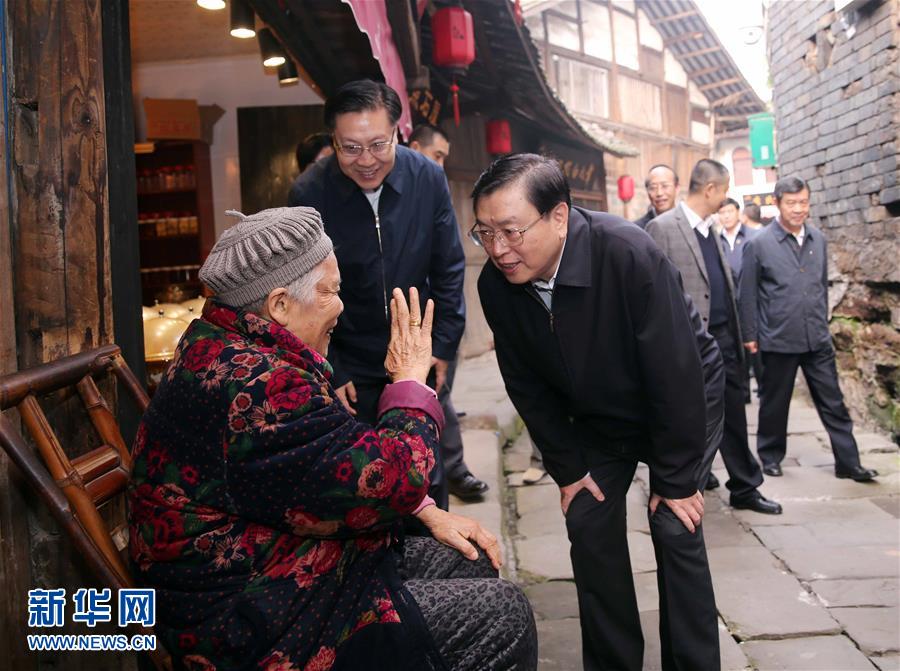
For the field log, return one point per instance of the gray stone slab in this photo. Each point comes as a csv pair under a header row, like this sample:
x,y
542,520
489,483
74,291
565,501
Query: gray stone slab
x,y
722,529
553,600
884,463
640,548
530,499
831,534
545,556
875,630
818,562
646,591
559,645
890,504
864,592
543,521
795,512
741,560
769,604
731,655
874,442
887,662
517,457
818,653
818,484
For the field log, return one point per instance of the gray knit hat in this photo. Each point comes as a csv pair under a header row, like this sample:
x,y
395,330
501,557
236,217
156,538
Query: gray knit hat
x,y
264,251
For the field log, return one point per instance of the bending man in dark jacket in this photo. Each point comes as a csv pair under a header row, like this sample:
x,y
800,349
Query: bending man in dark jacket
x,y
388,211
595,343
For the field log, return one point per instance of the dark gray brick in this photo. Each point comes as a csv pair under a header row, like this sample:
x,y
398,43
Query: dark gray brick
x,y
870,185
870,154
887,164
890,195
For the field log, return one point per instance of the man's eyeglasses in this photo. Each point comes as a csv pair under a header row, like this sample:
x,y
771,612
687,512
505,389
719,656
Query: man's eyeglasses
x,y
510,237
377,149
665,186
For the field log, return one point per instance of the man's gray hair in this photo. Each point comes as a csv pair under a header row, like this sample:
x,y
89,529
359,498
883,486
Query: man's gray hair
x,y
302,290
706,171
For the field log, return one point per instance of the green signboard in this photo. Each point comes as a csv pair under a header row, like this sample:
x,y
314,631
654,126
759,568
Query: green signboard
x,y
762,139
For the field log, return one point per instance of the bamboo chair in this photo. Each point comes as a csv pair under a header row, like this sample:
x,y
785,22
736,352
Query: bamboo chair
x,y
74,489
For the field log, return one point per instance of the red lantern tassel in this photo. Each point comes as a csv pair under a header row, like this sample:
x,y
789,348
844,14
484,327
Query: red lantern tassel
x,y
455,90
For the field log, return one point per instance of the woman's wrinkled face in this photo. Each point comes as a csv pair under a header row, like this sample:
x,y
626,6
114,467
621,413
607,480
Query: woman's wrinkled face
x,y
314,322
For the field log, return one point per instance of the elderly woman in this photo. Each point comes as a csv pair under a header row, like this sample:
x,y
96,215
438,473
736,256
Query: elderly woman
x,y
269,520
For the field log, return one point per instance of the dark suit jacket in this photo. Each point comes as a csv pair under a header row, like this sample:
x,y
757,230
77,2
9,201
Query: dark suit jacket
x,y
784,291
674,235
615,366
649,215
417,245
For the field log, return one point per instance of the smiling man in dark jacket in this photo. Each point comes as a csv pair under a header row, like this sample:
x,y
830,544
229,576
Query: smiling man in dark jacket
x,y
388,211
605,359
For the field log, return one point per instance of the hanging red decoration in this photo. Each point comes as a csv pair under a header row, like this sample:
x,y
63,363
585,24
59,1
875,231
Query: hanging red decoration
x,y
499,136
517,13
626,188
453,37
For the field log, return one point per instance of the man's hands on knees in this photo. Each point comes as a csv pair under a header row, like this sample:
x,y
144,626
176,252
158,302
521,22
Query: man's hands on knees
x,y
457,532
689,510
567,493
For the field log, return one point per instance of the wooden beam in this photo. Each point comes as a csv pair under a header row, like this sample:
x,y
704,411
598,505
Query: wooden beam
x,y
700,52
407,38
702,71
678,39
724,82
675,17
729,118
729,99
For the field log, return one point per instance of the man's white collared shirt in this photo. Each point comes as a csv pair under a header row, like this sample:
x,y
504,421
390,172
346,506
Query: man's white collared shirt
x,y
697,222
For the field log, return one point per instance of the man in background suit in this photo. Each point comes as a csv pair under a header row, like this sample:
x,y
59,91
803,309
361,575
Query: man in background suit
x,y
784,307
662,190
600,356
686,237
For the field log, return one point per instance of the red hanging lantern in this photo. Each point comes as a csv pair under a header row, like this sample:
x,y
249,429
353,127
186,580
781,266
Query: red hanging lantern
x,y
626,188
453,38
499,137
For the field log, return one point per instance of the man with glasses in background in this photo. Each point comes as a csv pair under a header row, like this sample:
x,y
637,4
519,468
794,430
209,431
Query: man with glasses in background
x,y
388,211
662,190
607,361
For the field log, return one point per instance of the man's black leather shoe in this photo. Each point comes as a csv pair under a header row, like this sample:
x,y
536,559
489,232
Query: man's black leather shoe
x,y
772,469
857,473
712,482
757,503
468,487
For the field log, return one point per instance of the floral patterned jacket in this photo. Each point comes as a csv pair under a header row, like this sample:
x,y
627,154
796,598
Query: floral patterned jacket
x,y
265,515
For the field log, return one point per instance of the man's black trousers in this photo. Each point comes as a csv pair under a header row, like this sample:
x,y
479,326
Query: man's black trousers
x,y
779,373
744,473
610,626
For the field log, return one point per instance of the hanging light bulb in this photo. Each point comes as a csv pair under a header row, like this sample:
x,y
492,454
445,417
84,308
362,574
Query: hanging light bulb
x,y
242,20
272,53
287,73
212,4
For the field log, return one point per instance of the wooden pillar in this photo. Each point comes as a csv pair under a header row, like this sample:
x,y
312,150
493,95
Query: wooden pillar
x,y
55,282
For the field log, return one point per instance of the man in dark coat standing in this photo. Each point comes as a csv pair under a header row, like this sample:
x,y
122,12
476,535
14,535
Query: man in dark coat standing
x,y
595,344
388,211
685,235
784,310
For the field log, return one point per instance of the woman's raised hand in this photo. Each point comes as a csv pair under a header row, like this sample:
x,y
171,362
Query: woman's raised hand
x,y
409,350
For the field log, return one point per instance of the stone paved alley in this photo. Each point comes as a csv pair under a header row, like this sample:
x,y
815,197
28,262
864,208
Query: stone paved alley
x,y
815,588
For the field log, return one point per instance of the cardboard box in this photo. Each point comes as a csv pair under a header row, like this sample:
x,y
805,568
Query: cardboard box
x,y
175,119
172,119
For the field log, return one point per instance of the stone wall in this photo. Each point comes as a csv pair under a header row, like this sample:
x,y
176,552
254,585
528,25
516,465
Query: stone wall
x,y
837,106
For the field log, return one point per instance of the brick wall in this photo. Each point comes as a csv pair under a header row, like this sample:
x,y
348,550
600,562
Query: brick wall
x,y
837,111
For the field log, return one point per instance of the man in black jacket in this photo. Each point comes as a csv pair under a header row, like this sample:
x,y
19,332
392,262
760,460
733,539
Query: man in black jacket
x,y
388,211
662,190
784,312
595,343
